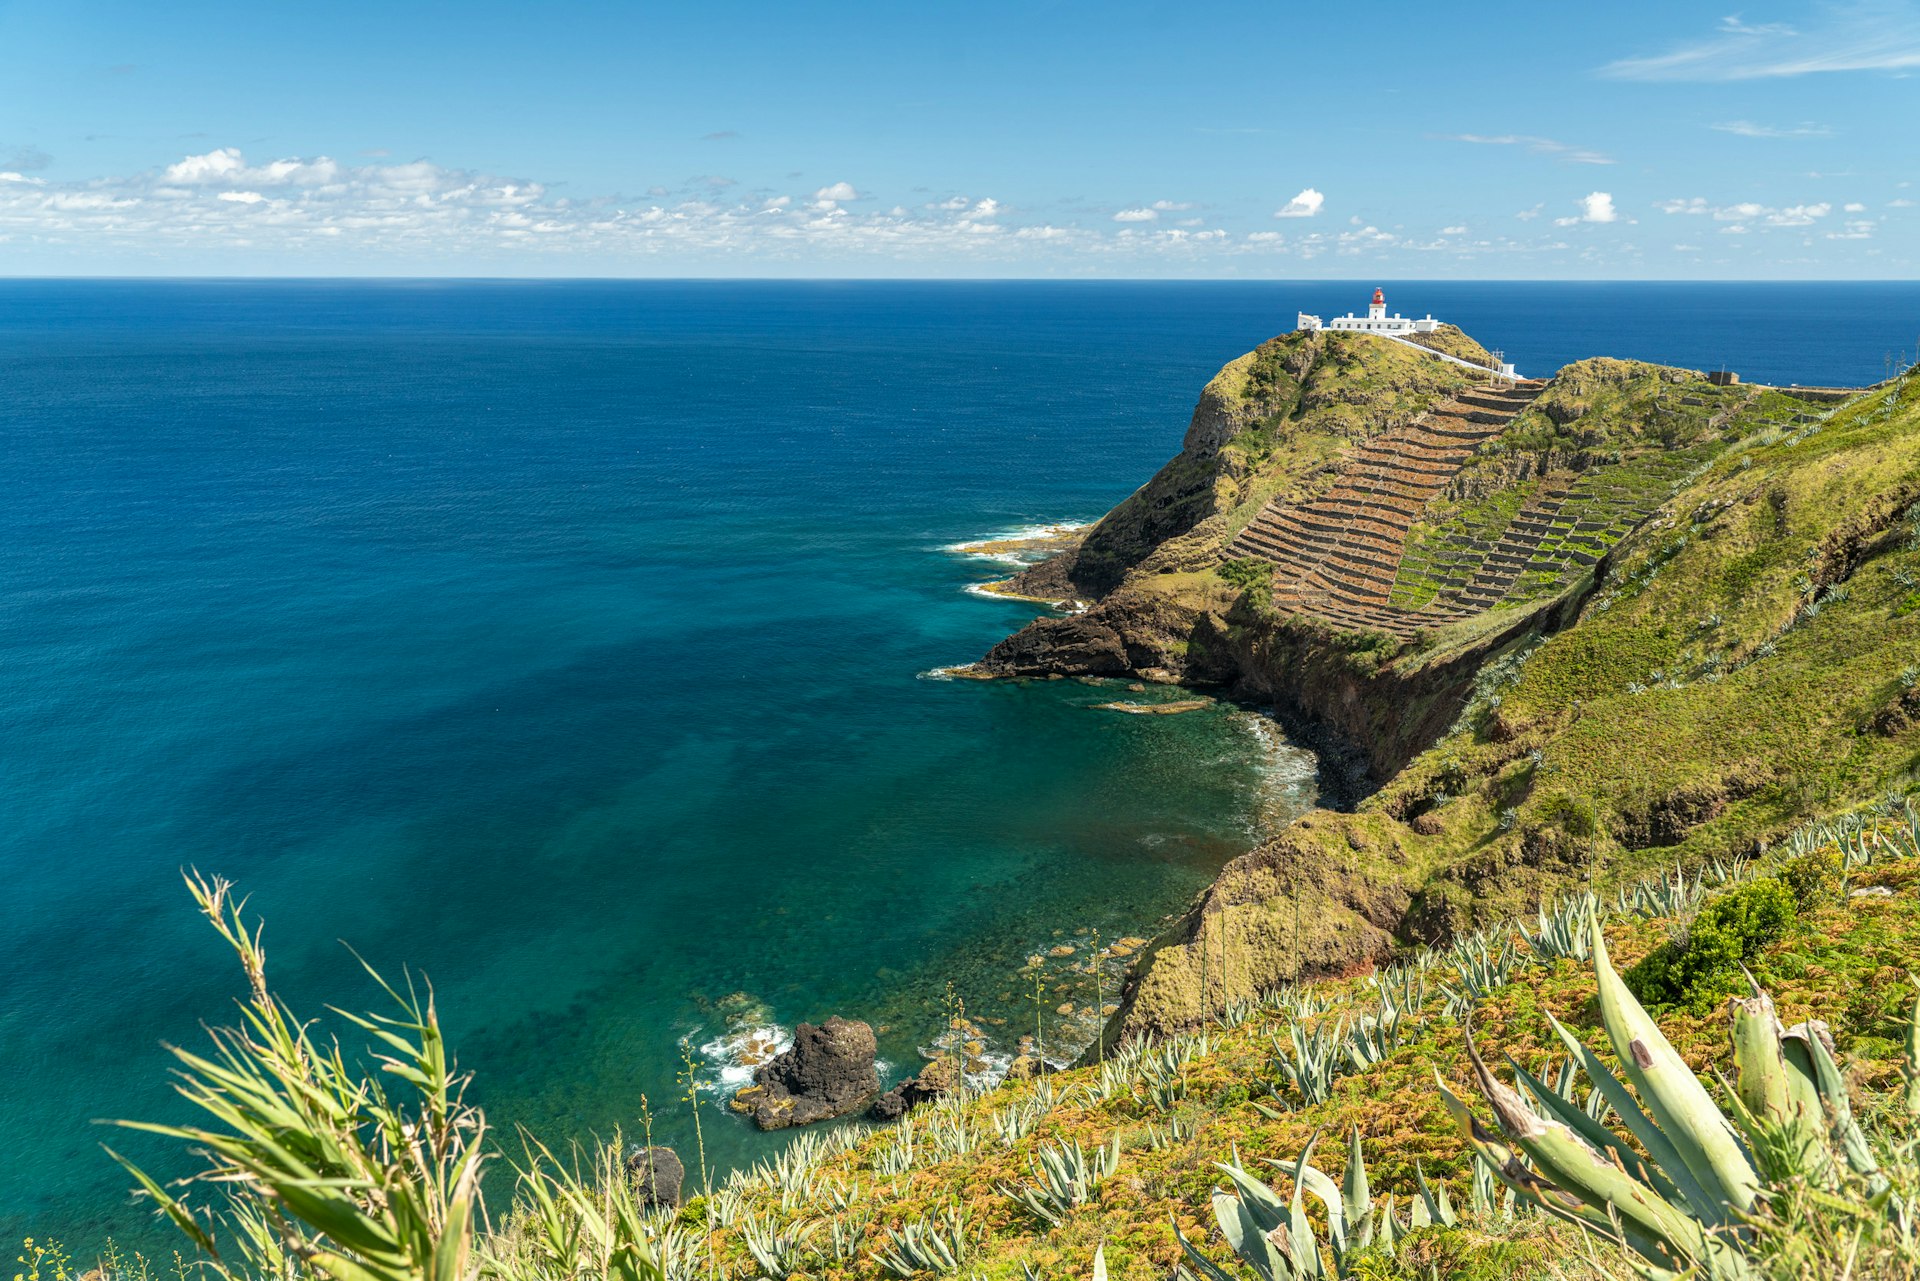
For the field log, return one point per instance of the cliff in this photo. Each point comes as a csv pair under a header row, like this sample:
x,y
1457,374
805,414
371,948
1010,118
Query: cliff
x,y
1626,619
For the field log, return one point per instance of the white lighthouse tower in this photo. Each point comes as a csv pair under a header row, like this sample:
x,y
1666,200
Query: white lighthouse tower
x,y
1377,309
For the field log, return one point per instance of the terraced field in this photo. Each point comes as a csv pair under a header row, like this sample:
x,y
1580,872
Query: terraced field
x,y
1337,556
1395,544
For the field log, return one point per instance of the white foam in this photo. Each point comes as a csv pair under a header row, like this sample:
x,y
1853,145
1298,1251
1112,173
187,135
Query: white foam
x,y
739,1051
982,1071
1289,776
977,547
985,591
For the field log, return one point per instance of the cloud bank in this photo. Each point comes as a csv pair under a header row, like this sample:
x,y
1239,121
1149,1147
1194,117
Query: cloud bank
x,y
222,211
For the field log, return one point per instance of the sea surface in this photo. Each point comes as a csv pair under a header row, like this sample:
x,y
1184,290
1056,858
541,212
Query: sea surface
x,y
569,644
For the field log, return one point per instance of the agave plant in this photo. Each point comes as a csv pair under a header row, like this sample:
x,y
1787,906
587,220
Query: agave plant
x,y
777,1247
1176,1130
1693,1194
1481,968
1402,988
724,1206
951,1132
898,1156
1162,1074
1314,1061
322,1170
845,1235
1561,933
1374,1038
676,1248
936,1243
1065,1178
1276,1238
1015,1121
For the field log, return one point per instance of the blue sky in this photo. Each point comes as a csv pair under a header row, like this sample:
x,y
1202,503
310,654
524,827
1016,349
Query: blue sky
x,y
1626,140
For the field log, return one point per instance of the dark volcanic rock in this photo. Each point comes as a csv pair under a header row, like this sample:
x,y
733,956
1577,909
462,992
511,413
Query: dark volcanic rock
x,y
829,1071
942,1076
656,1174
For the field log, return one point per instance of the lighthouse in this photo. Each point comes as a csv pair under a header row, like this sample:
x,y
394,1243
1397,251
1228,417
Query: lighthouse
x,y
1376,321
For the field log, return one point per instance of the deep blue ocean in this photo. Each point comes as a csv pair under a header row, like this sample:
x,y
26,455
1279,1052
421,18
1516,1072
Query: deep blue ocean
x,y
566,643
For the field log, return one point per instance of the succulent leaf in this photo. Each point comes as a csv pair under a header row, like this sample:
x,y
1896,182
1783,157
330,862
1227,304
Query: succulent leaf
x,y
1705,1141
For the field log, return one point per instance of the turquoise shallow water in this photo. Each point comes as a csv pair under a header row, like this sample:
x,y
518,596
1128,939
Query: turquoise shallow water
x,y
564,642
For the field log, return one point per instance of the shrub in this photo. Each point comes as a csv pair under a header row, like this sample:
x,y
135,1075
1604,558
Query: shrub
x,y
1575,818
1253,577
1730,931
1814,878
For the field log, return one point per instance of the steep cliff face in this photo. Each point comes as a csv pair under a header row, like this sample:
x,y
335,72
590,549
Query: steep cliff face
x,y
1709,631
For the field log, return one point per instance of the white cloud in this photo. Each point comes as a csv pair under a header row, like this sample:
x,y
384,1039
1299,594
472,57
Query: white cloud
x,y
242,197
1595,206
1368,237
1136,215
208,168
1748,129
1853,206
1453,231
1172,206
1882,36
1799,215
1564,151
8,175
837,191
1902,203
1528,215
1304,205
1752,211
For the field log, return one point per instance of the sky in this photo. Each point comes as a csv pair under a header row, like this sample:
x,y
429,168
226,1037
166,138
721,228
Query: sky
x,y
1044,138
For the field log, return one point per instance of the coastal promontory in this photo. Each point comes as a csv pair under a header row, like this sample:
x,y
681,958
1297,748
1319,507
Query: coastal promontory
x,y
1543,634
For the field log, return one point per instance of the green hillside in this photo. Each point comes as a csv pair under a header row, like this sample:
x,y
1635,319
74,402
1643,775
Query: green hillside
x,y
1735,652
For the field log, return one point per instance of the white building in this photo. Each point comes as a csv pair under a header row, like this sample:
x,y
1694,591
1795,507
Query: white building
x,y
1376,321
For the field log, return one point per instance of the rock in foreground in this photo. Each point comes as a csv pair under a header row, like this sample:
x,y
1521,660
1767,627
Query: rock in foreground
x,y
657,1175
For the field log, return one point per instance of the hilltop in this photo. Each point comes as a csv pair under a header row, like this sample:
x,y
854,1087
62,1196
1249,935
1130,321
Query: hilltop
x,y
1542,636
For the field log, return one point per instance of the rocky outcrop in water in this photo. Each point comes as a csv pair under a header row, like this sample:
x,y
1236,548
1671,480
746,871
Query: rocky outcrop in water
x,y
657,1175
828,1072
940,1077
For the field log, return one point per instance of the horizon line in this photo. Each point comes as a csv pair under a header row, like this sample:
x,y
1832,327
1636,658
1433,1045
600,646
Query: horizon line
x,y
960,280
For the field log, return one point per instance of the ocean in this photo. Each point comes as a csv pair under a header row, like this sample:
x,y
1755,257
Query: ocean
x,y
573,645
